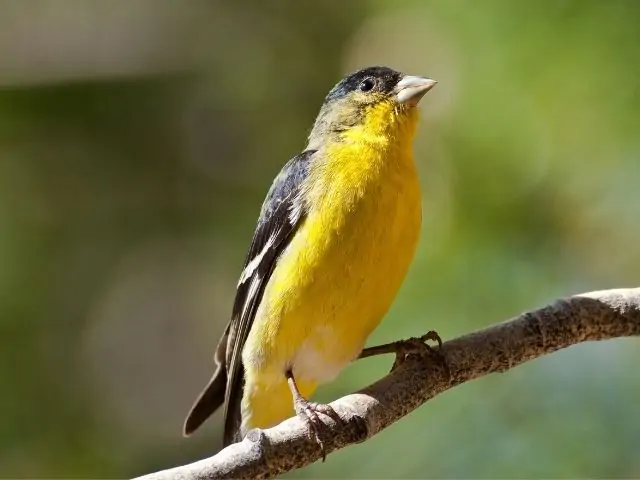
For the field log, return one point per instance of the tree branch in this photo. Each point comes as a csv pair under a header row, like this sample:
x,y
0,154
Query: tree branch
x,y
267,453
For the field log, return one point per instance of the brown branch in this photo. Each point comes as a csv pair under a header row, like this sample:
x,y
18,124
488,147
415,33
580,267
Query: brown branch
x,y
267,453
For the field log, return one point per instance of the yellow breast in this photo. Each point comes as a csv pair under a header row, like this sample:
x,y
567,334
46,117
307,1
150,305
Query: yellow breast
x,y
339,275
359,260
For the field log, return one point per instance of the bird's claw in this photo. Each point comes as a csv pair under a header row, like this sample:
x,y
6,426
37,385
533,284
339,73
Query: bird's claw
x,y
308,412
418,346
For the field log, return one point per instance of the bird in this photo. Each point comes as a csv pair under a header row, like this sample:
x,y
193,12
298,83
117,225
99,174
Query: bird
x,y
334,240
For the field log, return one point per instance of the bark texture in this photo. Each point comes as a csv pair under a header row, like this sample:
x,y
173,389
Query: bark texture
x,y
267,453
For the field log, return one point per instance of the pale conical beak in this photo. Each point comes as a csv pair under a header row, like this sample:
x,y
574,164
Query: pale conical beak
x,y
410,89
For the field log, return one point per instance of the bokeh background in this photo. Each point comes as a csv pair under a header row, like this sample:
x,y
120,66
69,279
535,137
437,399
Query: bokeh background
x,y
138,138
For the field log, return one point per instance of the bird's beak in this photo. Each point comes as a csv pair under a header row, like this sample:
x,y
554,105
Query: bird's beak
x,y
410,89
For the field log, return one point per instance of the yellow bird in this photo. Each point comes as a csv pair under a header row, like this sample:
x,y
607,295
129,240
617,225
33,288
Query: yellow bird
x,y
335,238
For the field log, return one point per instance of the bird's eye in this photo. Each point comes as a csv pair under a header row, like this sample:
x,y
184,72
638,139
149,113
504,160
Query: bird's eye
x,y
366,85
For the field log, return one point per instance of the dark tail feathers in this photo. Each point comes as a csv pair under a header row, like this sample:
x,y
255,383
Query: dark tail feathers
x,y
208,402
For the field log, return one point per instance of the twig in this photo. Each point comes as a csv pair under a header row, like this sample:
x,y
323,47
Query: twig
x,y
267,453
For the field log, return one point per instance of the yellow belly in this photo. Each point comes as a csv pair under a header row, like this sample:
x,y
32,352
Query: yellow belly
x,y
334,282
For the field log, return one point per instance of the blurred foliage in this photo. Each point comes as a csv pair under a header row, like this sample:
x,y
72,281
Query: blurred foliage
x,y
138,139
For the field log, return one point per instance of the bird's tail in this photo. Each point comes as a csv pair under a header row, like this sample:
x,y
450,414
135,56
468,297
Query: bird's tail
x,y
211,398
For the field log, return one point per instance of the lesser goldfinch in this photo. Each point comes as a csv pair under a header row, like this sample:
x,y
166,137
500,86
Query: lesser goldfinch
x,y
334,240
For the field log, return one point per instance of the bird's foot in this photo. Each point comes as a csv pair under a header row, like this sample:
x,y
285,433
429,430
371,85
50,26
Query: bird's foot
x,y
418,346
415,346
308,412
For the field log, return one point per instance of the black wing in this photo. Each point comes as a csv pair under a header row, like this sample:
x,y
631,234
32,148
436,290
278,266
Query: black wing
x,y
282,213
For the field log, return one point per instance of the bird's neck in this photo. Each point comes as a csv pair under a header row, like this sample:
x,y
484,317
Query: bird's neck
x,y
384,126
371,153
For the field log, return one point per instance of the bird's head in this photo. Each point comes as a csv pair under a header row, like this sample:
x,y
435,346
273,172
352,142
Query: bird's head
x,y
372,101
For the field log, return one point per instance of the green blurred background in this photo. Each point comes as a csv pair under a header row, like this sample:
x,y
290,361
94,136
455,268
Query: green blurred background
x,y
138,138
